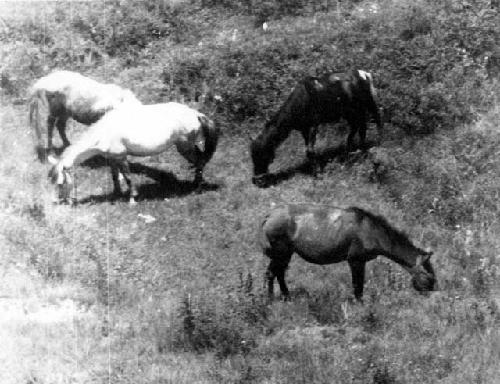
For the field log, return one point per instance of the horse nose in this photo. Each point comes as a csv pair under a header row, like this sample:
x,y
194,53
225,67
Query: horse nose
x,y
259,180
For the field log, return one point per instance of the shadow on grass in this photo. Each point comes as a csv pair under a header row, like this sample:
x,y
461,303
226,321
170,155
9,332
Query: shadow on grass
x,y
323,157
167,185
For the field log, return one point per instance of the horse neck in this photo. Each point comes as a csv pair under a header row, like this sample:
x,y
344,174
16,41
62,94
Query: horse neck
x,y
273,134
292,115
403,253
82,150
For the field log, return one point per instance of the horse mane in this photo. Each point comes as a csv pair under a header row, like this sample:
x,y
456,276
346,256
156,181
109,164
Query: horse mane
x,y
394,234
287,117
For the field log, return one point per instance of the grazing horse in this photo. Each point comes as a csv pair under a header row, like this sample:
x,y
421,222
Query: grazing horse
x,y
69,94
140,130
323,234
316,101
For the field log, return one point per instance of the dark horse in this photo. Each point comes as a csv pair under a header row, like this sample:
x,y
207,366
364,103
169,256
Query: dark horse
x,y
317,101
323,234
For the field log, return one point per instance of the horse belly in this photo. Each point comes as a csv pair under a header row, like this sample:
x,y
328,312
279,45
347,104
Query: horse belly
x,y
87,116
82,107
145,138
319,239
320,252
145,147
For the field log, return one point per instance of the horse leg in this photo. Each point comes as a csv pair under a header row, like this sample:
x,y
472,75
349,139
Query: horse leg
x,y
61,128
353,128
357,265
309,136
51,120
280,275
125,171
115,174
362,132
270,281
198,178
277,267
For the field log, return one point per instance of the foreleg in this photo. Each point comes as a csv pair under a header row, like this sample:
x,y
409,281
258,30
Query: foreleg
x,y
362,125
309,136
125,171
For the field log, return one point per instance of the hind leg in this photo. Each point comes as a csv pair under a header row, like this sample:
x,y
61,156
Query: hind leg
x,y
309,136
362,132
353,122
61,128
276,269
350,138
115,175
198,177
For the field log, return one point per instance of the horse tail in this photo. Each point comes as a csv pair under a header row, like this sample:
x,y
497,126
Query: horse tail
x,y
211,134
262,238
37,96
372,105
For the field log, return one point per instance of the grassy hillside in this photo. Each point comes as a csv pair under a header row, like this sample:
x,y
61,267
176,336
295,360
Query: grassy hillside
x,y
171,290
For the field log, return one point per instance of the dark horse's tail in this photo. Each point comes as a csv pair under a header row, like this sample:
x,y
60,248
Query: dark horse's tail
x,y
211,134
262,239
371,105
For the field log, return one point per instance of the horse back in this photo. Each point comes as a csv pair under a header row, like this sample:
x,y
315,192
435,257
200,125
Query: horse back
x,y
320,234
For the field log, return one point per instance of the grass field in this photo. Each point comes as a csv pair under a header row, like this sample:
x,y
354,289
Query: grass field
x,y
171,290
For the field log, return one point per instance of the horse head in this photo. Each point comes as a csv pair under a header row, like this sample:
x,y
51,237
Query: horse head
x,y
261,156
60,176
424,278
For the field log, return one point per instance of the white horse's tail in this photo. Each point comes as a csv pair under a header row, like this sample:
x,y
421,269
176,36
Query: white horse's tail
x,y
37,96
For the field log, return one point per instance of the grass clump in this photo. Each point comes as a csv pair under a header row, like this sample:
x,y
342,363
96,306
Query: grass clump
x,y
228,323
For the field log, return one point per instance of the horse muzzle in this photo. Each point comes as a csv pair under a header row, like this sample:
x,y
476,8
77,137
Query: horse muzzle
x,y
261,181
424,282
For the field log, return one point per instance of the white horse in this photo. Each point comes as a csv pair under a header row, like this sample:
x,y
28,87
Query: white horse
x,y
69,94
140,130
